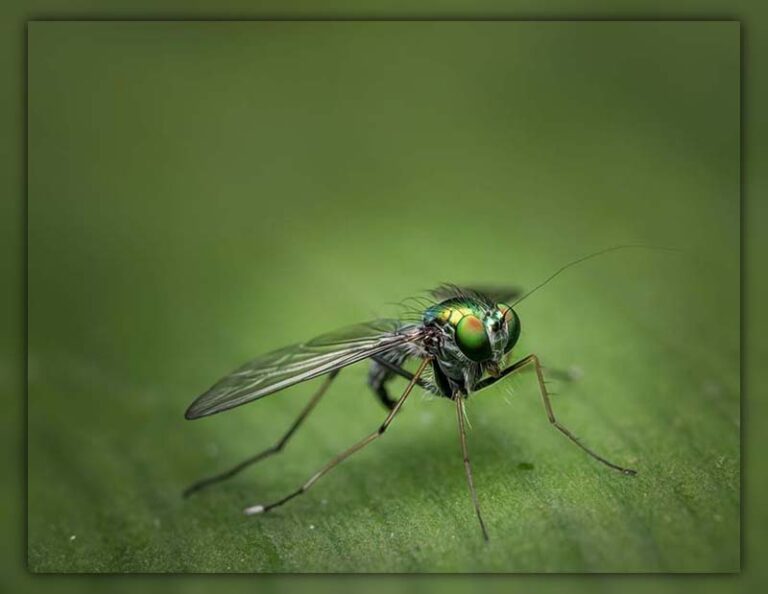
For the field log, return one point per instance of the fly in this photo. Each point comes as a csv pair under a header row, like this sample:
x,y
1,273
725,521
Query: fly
x,y
462,342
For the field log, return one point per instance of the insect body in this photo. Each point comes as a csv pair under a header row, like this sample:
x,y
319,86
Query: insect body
x,y
462,342
475,336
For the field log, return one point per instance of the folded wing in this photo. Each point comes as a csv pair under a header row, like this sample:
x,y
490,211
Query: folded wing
x,y
294,364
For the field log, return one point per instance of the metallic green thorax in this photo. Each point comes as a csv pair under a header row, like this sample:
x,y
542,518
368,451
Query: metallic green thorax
x,y
472,336
481,330
452,310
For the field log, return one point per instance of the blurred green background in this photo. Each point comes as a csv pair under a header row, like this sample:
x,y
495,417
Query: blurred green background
x,y
200,193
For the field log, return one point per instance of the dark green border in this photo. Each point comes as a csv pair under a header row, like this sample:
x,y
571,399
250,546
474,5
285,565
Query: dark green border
x,y
13,213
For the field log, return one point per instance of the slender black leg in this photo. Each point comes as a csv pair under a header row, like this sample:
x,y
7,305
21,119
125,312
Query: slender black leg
x,y
399,370
274,449
534,360
377,380
467,467
258,509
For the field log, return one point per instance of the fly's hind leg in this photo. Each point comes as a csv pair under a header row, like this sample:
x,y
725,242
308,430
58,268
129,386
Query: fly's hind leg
x,y
274,449
377,379
260,509
383,369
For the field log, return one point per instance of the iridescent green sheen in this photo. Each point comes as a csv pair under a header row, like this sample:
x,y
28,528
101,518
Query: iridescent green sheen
x,y
452,310
472,338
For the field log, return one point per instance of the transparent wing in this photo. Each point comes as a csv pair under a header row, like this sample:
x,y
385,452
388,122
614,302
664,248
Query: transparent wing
x,y
291,365
496,294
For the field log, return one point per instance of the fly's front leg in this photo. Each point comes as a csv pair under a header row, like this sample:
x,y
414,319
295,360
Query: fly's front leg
x,y
534,360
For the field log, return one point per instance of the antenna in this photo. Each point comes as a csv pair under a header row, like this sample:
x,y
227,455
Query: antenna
x,y
588,257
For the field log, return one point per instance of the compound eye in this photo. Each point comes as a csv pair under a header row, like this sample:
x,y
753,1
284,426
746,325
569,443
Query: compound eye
x,y
513,325
472,339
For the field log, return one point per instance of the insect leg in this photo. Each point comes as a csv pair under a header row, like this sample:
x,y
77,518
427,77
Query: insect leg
x,y
274,449
467,468
257,509
534,360
382,372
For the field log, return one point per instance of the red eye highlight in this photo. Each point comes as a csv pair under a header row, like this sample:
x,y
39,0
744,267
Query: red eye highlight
x,y
473,324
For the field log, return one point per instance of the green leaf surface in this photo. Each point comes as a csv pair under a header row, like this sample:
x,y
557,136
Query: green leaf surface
x,y
202,193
